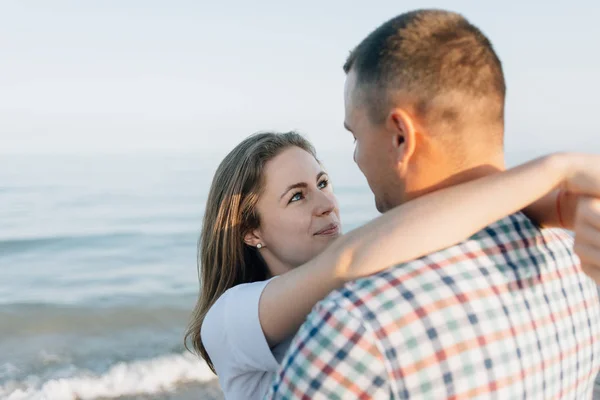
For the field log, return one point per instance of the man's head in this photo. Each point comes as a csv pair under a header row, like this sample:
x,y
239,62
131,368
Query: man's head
x,y
424,98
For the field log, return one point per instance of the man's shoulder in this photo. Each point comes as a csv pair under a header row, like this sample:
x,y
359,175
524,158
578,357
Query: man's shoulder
x,y
512,239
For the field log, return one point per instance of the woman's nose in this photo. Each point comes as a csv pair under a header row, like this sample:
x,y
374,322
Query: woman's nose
x,y
326,204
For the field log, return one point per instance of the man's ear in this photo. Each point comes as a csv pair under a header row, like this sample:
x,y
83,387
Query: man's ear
x,y
404,135
253,238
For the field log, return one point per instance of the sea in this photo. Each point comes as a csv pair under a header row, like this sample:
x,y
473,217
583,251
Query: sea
x,y
98,271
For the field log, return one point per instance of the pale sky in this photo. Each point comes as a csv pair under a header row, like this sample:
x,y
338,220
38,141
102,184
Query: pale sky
x,y
122,76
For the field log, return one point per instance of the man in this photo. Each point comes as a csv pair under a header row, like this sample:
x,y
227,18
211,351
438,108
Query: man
x,y
508,313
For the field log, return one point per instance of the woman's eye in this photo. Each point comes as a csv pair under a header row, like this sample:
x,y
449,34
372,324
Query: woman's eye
x,y
323,184
296,197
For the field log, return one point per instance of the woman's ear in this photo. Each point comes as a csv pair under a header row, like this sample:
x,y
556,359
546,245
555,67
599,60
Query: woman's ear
x,y
404,135
253,238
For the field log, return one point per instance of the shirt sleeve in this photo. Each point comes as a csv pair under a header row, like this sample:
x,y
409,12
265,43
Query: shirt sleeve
x,y
236,344
333,356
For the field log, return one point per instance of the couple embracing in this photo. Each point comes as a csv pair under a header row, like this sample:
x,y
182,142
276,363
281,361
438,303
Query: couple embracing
x,y
459,290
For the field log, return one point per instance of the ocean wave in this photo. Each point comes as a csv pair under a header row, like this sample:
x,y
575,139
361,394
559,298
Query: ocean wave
x,y
18,320
97,240
141,377
24,244
7,370
28,189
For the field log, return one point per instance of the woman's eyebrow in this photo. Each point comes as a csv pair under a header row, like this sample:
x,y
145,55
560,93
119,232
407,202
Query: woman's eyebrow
x,y
301,184
294,186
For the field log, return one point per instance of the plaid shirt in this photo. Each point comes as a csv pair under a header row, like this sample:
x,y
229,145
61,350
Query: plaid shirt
x,y
507,314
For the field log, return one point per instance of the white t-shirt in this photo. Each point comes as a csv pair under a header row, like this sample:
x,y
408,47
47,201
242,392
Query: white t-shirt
x,y
236,344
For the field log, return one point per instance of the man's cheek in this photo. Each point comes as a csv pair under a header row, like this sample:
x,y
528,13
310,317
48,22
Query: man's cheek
x,y
358,158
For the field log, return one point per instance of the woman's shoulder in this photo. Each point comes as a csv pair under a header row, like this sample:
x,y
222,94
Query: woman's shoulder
x,y
235,342
233,307
237,296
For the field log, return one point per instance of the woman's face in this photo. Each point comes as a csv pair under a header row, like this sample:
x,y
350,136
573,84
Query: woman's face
x,y
298,211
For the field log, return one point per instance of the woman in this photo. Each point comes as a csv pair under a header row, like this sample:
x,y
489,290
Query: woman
x,y
271,212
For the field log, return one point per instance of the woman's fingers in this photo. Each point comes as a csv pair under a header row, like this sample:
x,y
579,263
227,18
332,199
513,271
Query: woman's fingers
x,y
587,236
587,218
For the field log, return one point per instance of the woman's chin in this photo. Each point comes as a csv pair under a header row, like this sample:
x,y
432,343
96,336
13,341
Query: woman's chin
x,y
325,240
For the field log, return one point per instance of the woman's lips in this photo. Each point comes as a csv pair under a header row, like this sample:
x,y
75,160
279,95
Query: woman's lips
x,y
329,230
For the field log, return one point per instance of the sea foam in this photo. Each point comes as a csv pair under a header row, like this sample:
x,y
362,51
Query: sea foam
x,y
141,377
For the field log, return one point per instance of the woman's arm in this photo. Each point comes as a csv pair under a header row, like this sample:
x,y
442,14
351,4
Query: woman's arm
x,y
427,224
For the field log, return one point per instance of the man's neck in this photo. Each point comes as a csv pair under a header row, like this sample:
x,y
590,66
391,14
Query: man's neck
x,y
462,175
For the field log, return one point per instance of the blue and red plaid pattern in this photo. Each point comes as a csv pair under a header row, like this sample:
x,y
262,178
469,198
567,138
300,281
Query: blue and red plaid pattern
x,y
507,314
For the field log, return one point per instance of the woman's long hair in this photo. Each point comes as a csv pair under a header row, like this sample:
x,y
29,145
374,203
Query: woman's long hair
x,y
224,260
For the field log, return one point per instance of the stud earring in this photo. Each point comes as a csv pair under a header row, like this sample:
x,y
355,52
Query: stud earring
x,y
259,246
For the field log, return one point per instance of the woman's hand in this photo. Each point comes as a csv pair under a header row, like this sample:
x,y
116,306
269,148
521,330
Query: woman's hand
x,y
583,180
587,236
583,174
579,176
